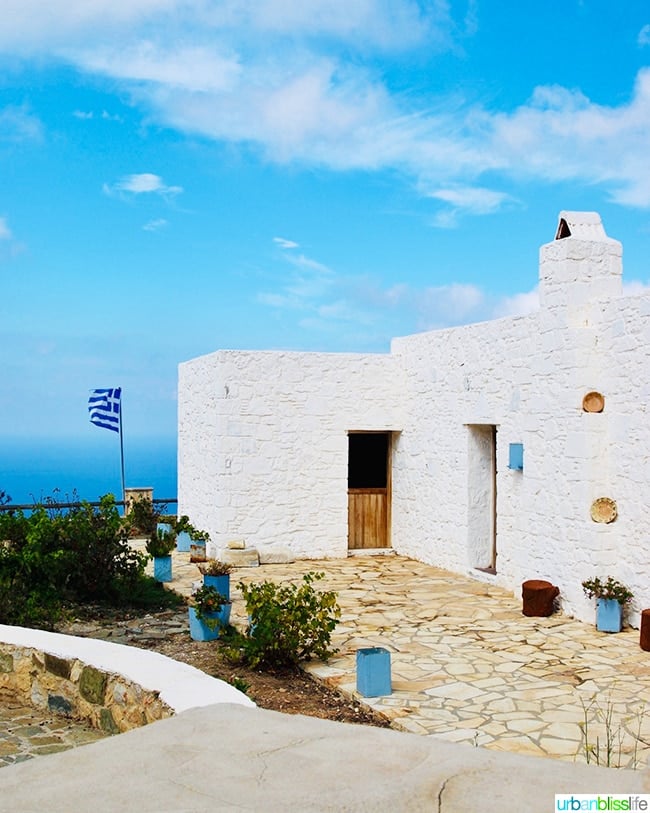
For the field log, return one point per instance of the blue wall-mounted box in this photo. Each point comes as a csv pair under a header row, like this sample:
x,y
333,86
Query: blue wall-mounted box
x,y
516,460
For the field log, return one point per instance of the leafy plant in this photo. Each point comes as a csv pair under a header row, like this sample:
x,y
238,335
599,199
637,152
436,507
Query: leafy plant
x,y
161,544
207,602
183,525
213,567
143,518
240,684
288,623
53,556
611,589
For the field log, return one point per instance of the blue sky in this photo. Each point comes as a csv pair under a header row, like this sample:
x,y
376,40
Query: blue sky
x,y
180,176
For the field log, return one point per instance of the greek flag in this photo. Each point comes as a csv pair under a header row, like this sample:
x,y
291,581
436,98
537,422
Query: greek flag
x,y
104,408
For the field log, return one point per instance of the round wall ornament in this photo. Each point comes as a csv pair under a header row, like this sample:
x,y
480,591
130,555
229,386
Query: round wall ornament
x,y
604,510
593,402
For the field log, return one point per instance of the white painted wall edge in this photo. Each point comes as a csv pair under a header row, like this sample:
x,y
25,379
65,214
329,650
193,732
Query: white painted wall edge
x,y
181,686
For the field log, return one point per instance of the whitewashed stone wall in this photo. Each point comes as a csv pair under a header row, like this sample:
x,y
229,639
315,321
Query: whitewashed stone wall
x,y
263,436
263,443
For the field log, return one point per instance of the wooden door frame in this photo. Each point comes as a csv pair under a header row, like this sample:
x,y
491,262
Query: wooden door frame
x,y
389,435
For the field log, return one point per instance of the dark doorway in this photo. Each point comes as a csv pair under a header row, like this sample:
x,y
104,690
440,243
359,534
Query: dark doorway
x,y
368,489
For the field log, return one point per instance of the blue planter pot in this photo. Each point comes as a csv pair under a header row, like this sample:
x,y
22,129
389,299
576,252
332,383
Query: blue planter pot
x,y
609,615
201,631
220,583
373,672
162,568
183,542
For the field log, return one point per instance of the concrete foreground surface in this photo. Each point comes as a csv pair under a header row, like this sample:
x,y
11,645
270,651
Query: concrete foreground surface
x,y
226,757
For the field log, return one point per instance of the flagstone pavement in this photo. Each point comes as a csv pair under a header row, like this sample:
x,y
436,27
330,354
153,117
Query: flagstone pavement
x,y
467,666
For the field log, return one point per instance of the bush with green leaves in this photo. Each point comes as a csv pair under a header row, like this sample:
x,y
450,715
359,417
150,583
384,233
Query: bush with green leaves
x,y
288,623
161,544
54,556
143,518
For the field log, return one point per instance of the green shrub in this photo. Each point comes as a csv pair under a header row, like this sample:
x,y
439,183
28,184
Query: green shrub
x,y
161,543
57,556
288,623
143,518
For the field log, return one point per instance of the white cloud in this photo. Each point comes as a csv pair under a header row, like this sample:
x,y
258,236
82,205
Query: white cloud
x,y
636,288
155,225
361,307
143,183
300,82
518,304
188,68
83,115
27,25
288,244
5,231
19,124
444,305
476,200
466,200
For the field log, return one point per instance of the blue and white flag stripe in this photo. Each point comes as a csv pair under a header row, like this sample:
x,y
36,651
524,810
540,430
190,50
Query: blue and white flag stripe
x,y
104,408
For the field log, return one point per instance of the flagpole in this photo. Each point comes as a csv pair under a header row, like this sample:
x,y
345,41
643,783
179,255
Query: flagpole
x,y
122,453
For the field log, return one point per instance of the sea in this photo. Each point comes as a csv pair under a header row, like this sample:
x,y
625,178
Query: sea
x,y
32,469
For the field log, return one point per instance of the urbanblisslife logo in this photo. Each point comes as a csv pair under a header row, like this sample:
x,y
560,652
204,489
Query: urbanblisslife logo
x,y
602,801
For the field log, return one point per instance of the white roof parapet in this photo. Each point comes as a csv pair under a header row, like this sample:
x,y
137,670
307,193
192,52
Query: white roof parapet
x,y
583,225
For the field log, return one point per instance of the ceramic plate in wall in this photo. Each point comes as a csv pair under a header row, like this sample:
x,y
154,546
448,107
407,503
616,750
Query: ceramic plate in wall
x,y
603,510
593,402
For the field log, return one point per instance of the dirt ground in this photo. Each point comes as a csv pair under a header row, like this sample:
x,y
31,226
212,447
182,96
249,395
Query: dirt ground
x,y
286,691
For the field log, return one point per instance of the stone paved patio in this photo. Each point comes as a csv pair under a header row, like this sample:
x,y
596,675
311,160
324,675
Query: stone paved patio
x,y
25,733
467,666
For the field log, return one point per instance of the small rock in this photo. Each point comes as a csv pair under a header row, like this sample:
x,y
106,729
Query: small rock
x,y
236,544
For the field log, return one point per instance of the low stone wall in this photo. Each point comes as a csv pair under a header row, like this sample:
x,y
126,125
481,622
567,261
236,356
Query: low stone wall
x,y
69,687
112,687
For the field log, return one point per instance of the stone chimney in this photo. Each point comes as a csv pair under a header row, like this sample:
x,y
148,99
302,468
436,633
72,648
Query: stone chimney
x,y
579,269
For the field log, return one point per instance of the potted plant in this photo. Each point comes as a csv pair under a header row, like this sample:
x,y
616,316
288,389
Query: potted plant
x,y
611,597
209,613
159,547
217,574
182,526
190,539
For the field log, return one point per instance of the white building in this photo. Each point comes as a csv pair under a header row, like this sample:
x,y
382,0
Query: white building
x,y
412,449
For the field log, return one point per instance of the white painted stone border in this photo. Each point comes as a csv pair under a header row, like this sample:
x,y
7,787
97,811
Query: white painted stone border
x,y
179,685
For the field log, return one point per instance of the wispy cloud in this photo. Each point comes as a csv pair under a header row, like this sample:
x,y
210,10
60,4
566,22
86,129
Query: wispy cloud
x,y
9,246
288,244
83,115
144,183
19,124
636,288
155,225
361,309
466,200
517,305
300,83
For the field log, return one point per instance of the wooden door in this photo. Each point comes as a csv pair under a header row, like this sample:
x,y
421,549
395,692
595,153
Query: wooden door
x,y
368,490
